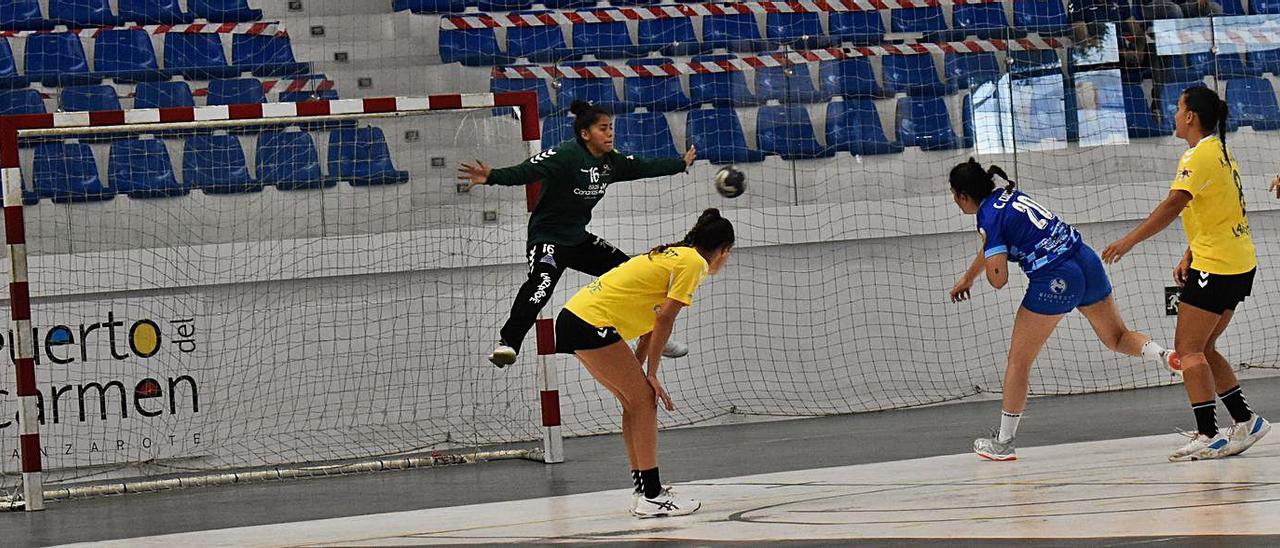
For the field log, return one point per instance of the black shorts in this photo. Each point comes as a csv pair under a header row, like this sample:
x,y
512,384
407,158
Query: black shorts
x,y
1216,293
574,334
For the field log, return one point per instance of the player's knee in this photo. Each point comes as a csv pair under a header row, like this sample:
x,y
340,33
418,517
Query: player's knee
x,y
1192,360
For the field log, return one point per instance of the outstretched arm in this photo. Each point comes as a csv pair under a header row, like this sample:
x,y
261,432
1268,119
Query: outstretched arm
x,y
630,167
1157,221
536,168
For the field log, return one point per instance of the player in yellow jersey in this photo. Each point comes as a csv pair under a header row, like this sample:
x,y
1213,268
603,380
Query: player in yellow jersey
x,y
641,298
1216,272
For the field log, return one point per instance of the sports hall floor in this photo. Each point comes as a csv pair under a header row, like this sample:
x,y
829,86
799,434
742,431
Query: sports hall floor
x,y
1092,472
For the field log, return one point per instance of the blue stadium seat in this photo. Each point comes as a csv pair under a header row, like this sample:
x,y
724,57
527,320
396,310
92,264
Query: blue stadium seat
x,y
724,89
567,4
536,85
659,93
917,20
163,95
288,160
599,91
430,6
153,12
925,122
67,172
797,30
556,129
1252,102
786,130
57,59
718,135
472,48
737,32
126,56
236,91
605,40
265,55
1234,65
215,164
1266,60
1026,64
635,2
1047,17
788,85
967,132
224,11
857,27
197,56
1097,11
671,36
21,101
854,127
1169,95
22,15
644,134
985,21
538,44
89,98
504,5
313,95
852,77
9,77
1231,7
1137,111
913,74
1183,68
141,169
965,69
1261,7
361,157
78,14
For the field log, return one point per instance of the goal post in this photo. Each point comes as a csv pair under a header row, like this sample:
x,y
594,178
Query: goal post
x,y
117,206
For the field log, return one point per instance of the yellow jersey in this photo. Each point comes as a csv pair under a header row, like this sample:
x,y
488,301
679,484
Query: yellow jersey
x,y
1215,221
627,298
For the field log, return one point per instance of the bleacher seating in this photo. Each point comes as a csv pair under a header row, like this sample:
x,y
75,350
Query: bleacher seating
x,y
265,56
599,91
472,48
1261,7
538,44
857,27
984,21
536,85
141,168
1252,102
556,129
153,12
215,164
22,15
854,126
737,32
236,91
127,56
787,131
963,70
1234,65
89,98
288,160
82,13
658,93
361,157
1267,60
605,40
924,20
644,134
163,94
57,59
9,77
67,172
851,77
791,84
1141,118
673,36
717,133
313,95
925,122
197,56
430,6
224,11
1047,17
911,74
505,5
796,30
724,89
21,101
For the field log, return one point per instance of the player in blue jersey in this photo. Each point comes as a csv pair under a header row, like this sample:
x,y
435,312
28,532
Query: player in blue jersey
x,y
1064,274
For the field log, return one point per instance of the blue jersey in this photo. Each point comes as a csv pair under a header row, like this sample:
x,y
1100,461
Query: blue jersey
x,y
1010,222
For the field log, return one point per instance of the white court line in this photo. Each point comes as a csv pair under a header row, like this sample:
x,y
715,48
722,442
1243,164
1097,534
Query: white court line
x,y
1079,490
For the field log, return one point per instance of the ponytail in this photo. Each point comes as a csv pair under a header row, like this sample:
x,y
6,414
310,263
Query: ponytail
x,y
1212,111
995,171
971,180
709,233
1223,112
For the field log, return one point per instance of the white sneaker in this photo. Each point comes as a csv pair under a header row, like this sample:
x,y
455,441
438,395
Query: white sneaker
x,y
1244,434
502,356
1202,447
666,504
1169,359
675,349
990,449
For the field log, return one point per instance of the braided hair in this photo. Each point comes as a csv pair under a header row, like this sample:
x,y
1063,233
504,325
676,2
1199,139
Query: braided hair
x,y
1211,110
971,180
710,233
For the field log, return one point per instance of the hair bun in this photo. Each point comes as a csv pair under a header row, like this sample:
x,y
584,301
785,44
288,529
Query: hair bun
x,y
710,214
579,106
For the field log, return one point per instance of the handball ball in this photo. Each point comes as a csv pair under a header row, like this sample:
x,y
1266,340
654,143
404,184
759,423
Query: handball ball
x,y
730,182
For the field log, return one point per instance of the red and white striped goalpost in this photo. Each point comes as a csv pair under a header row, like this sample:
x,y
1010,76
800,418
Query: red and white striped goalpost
x,y
526,104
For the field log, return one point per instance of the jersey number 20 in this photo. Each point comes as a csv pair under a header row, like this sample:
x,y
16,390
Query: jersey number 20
x,y
1036,213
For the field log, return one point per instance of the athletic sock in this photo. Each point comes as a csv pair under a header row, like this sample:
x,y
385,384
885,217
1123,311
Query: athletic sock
x,y
1234,400
1206,422
649,483
635,479
1008,426
1152,350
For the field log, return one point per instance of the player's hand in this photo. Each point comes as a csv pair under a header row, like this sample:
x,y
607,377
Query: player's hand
x,y
1180,271
692,154
475,174
660,393
1275,186
960,291
1116,250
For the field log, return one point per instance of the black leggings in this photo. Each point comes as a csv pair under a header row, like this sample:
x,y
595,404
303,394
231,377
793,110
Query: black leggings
x,y
546,263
